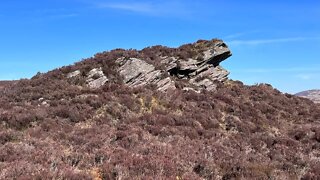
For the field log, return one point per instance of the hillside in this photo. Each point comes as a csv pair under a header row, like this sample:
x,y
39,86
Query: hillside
x,y
157,113
313,95
4,84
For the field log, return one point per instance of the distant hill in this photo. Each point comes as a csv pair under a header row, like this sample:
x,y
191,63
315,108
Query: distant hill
x,y
313,95
155,113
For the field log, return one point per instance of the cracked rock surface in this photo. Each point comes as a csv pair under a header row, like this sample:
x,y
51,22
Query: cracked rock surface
x,y
202,70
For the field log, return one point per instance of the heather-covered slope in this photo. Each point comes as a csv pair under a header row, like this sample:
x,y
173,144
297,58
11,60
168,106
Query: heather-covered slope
x,y
3,84
57,125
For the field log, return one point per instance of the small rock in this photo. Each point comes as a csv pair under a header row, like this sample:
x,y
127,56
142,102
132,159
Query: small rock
x,y
96,78
85,96
95,73
190,89
74,74
208,54
219,53
98,82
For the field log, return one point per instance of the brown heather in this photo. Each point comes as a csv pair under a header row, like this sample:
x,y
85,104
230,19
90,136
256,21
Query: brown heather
x,y
117,132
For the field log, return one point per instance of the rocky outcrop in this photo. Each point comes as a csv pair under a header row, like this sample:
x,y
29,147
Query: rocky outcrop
x,y
197,65
202,70
96,78
313,95
137,72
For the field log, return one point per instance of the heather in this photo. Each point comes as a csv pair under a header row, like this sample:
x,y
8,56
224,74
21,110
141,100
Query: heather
x,y
53,127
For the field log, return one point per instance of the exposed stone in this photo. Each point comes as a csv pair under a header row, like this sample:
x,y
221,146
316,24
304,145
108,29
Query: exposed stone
x,y
219,53
137,72
95,73
166,84
133,68
202,70
74,74
190,89
85,96
96,78
170,63
208,66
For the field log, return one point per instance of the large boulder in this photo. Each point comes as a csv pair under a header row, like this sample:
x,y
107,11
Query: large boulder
x,y
74,74
96,78
209,56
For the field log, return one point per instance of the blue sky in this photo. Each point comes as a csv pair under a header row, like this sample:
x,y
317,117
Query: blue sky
x,y
276,42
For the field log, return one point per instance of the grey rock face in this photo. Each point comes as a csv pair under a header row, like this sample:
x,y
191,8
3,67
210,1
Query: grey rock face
x,y
218,53
166,84
96,78
137,72
201,72
74,74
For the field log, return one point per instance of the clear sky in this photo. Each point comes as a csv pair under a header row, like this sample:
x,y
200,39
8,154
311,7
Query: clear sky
x,y
273,41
